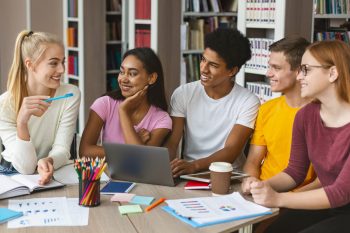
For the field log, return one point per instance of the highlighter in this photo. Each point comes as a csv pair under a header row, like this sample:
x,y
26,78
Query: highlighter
x,y
59,97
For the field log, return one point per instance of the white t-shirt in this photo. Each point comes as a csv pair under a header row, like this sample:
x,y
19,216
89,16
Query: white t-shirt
x,y
208,121
50,135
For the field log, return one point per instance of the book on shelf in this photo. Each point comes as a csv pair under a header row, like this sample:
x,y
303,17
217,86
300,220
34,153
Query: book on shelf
x,y
73,8
142,38
17,185
260,53
113,30
205,176
142,9
113,5
229,5
73,64
72,37
262,90
331,7
260,11
211,6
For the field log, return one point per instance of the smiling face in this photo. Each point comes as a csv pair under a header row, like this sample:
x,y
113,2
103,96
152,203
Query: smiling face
x,y
46,73
214,73
282,78
133,77
317,80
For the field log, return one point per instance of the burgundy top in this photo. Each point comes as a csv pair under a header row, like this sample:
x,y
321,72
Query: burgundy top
x,y
327,148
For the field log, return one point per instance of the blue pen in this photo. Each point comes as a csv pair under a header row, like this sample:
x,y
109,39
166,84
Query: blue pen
x,y
59,97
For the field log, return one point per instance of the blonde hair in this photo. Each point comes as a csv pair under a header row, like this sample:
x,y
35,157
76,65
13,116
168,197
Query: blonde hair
x,y
335,53
30,45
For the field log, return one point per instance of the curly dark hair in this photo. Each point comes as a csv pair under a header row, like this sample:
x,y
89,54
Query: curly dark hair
x,y
231,45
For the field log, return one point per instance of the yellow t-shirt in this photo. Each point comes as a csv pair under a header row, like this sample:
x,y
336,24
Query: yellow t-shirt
x,y
273,129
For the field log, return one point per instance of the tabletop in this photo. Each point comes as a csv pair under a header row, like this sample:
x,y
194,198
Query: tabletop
x,y
106,218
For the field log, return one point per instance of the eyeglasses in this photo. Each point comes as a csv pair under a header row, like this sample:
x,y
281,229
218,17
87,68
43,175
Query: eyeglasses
x,y
306,68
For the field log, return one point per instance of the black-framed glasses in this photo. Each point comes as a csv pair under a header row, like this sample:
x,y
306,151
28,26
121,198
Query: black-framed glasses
x,y
306,68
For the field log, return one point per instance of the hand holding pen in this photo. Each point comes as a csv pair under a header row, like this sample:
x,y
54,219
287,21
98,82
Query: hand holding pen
x,y
33,106
59,97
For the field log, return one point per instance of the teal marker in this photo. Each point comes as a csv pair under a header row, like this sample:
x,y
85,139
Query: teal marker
x,y
59,97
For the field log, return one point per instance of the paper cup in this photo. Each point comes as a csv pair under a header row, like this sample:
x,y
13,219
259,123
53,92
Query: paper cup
x,y
220,177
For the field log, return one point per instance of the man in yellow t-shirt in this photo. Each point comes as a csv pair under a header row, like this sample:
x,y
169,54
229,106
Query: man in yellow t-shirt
x,y
271,142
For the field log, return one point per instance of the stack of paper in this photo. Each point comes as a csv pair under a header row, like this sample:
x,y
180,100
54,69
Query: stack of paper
x,y
57,211
206,211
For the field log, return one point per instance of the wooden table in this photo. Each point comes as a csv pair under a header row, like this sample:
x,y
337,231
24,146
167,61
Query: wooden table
x,y
106,217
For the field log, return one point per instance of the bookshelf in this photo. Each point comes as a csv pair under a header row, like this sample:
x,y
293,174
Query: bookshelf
x,y
330,20
143,24
265,22
155,24
84,51
115,40
199,17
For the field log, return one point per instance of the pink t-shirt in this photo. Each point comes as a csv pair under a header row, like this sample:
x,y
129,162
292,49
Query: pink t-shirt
x,y
107,108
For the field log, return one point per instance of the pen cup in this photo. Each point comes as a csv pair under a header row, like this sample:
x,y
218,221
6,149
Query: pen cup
x,y
89,192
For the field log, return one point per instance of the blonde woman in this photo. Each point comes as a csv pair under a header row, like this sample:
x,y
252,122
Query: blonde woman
x,y
37,134
321,135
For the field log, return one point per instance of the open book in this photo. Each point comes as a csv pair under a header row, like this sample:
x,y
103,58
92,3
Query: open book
x,y
205,176
19,184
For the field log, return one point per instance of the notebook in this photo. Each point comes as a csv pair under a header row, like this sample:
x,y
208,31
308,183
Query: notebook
x,y
142,164
113,187
7,215
19,184
205,176
196,185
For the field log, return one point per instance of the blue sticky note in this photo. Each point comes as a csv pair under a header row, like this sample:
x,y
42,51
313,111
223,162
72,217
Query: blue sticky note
x,y
142,200
7,215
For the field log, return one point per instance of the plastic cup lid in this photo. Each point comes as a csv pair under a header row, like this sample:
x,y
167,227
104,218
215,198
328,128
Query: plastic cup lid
x,y
220,167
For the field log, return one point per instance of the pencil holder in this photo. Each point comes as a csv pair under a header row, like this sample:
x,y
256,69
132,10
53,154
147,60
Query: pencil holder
x,y
89,192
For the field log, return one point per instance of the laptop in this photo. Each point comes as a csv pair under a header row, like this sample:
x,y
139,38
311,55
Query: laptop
x,y
142,164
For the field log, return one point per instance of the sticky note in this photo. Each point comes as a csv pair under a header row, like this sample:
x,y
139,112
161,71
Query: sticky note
x,y
7,215
130,209
122,197
142,200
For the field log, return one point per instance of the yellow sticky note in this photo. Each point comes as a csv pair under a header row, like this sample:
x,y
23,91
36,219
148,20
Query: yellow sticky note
x,y
130,209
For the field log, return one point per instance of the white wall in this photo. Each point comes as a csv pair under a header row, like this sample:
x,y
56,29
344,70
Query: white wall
x,y
44,15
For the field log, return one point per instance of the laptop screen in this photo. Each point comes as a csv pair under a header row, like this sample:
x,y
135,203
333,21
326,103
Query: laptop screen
x,y
143,164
